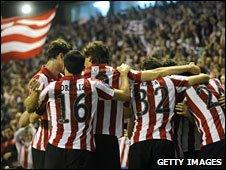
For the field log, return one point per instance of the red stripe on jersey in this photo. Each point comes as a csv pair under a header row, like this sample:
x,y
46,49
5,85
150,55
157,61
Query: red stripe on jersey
x,y
60,127
50,117
115,84
199,114
113,117
88,103
138,126
152,114
214,115
137,97
219,85
165,105
179,83
104,95
74,125
87,73
136,77
40,139
25,158
45,126
100,104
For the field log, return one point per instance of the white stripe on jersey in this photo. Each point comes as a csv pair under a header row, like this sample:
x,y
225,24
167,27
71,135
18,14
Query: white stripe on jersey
x,y
171,92
43,79
67,126
159,117
172,84
107,106
207,115
145,119
53,116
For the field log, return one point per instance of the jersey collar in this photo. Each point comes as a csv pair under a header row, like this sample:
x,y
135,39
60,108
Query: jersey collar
x,y
48,73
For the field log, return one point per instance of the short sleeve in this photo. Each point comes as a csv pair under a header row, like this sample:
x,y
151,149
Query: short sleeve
x,y
180,83
104,91
134,75
43,98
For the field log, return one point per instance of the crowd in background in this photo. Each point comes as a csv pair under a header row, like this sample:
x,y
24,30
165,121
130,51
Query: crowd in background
x,y
185,31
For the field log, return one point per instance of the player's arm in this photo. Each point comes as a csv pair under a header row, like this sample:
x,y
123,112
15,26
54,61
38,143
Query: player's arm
x,y
222,101
34,117
105,92
198,79
34,100
149,75
127,112
24,119
123,93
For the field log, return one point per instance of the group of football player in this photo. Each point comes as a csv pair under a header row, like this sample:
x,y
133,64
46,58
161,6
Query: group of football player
x,y
80,103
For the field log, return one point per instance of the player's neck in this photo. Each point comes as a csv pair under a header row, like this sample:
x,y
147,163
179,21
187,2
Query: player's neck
x,y
66,73
52,68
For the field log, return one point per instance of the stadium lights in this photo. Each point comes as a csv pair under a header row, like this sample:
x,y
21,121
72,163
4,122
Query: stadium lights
x,y
102,6
26,9
142,4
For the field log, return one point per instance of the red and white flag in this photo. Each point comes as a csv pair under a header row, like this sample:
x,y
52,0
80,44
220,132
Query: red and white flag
x,y
24,37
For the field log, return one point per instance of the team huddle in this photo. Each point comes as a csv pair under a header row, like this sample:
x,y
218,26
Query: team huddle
x,y
81,103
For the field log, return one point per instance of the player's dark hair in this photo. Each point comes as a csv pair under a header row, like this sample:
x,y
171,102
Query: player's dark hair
x,y
151,63
98,52
169,62
203,70
56,47
74,62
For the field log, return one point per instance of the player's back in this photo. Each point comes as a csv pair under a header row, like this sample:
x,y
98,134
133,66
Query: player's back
x,y
153,103
210,117
40,140
109,119
72,103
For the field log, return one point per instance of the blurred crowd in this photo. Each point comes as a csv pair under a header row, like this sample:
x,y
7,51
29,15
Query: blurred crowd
x,y
184,31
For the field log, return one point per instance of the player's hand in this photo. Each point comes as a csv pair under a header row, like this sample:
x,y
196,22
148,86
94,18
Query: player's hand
x,y
194,69
33,84
222,101
7,155
181,109
123,69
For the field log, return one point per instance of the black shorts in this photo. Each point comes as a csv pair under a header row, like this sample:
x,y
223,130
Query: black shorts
x,y
59,158
145,154
213,151
107,154
38,158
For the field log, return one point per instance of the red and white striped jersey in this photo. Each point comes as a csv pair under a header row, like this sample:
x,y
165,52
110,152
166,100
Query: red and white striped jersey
x,y
109,119
124,144
153,104
40,139
72,104
24,149
202,101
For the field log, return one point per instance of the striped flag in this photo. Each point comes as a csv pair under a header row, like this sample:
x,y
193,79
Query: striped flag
x,y
24,37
